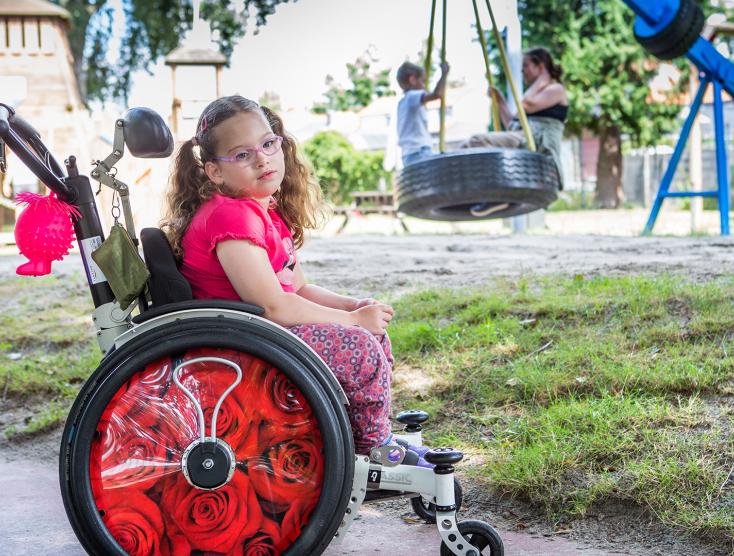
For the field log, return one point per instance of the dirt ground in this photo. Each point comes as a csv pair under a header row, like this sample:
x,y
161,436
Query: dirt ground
x,y
387,265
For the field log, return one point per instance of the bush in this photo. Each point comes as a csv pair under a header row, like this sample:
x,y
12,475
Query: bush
x,y
340,168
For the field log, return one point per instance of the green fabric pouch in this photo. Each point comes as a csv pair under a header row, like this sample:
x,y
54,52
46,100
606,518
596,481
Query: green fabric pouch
x,y
125,271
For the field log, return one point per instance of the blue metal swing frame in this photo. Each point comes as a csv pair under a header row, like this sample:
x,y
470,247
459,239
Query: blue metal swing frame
x,y
722,171
652,17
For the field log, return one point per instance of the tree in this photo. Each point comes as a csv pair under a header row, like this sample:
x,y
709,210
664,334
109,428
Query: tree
x,y
607,75
153,29
271,99
340,168
366,85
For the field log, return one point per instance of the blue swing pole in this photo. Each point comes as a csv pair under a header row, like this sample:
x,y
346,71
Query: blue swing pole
x,y
680,146
653,18
722,171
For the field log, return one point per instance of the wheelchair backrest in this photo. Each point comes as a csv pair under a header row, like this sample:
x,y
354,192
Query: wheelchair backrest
x,y
167,284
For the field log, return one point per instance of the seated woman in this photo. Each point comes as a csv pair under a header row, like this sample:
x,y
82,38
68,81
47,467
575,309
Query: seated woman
x,y
546,105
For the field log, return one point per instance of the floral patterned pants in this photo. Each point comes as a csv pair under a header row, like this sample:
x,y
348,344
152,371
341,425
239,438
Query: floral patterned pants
x,y
362,364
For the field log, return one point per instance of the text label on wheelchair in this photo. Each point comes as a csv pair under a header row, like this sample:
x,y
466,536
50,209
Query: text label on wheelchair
x,y
398,478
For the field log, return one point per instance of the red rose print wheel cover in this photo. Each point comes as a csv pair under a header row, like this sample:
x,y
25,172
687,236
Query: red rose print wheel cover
x,y
144,499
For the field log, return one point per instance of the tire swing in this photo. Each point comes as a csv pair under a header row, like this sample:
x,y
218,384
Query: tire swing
x,y
509,181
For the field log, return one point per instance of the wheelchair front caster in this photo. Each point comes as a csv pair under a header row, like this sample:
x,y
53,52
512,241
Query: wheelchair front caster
x,y
427,510
413,420
481,536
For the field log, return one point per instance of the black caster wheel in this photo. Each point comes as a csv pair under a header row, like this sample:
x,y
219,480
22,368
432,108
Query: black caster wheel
x,y
481,536
427,510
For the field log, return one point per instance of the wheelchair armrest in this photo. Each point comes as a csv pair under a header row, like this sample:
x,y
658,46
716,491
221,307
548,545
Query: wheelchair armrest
x,y
198,304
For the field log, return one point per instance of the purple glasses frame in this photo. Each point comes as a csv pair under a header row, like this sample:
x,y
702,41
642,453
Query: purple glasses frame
x,y
253,151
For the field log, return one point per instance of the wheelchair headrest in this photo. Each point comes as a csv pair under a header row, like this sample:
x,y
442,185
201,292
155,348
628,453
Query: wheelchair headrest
x,y
146,134
167,284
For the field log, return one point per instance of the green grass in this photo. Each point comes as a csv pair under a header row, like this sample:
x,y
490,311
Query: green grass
x,y
47,348
575,391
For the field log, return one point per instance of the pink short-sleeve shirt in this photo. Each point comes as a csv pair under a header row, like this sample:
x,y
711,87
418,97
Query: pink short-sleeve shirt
x,y
222,218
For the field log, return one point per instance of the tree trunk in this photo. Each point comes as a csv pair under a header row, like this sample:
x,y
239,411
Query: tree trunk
x,y
609,192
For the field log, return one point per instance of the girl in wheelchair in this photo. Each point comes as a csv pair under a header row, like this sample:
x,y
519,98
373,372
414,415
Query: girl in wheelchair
x,y
206,428
240,199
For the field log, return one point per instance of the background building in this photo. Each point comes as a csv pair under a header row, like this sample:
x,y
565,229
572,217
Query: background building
x,y
37,77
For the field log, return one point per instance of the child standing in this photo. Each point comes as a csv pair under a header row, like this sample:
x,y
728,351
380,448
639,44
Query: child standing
x,y
237,211
413,137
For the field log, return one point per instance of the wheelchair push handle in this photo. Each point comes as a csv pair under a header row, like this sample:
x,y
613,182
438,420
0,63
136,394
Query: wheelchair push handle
x,y
18,134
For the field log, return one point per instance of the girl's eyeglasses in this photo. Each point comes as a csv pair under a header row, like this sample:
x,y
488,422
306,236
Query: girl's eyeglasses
x,y
247,157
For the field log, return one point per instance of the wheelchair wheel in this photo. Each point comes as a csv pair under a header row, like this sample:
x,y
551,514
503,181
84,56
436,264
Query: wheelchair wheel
x,y
136,477
427,510
480,535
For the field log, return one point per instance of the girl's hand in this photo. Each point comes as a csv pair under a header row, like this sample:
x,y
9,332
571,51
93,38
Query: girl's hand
x,y
359,303
373,317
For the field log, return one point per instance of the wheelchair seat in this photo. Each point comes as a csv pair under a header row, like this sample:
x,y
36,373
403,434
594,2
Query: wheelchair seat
x,y
166,284
169,290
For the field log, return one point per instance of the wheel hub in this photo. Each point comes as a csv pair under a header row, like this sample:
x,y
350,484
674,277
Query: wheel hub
x,y
208,465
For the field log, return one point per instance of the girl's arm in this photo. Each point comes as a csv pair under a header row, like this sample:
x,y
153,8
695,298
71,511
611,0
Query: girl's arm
x,y
248,269
325,297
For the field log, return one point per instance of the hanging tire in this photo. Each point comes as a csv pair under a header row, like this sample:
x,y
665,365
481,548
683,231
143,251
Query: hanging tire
x,y
480,535
130,480
427,510
446,186
675,38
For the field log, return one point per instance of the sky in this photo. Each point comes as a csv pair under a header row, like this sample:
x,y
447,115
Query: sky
x,y
306,40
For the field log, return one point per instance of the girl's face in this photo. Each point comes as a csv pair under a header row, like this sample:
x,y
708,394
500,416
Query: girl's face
x,y
530,70
257,175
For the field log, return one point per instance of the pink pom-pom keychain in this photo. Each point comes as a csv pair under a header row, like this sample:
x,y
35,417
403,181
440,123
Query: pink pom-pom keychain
x,y
43,232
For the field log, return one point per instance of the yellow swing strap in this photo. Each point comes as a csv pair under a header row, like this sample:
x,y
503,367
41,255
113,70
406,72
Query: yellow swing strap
x,y
496,119
442,112
506,68
429,45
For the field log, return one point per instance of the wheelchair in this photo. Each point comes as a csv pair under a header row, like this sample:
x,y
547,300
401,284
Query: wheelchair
x,y
207,429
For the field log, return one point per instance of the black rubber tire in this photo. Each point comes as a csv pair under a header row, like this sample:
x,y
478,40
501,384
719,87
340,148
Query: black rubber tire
x,y
446,186
272,346
675,39
427,511
480,535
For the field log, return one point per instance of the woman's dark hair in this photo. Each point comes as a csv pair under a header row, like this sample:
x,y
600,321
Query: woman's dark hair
x,y
542,56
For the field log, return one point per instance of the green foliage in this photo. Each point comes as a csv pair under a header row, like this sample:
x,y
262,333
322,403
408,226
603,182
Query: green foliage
x,y
367,84
606,72
271,99
340,168
153,28
48,348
